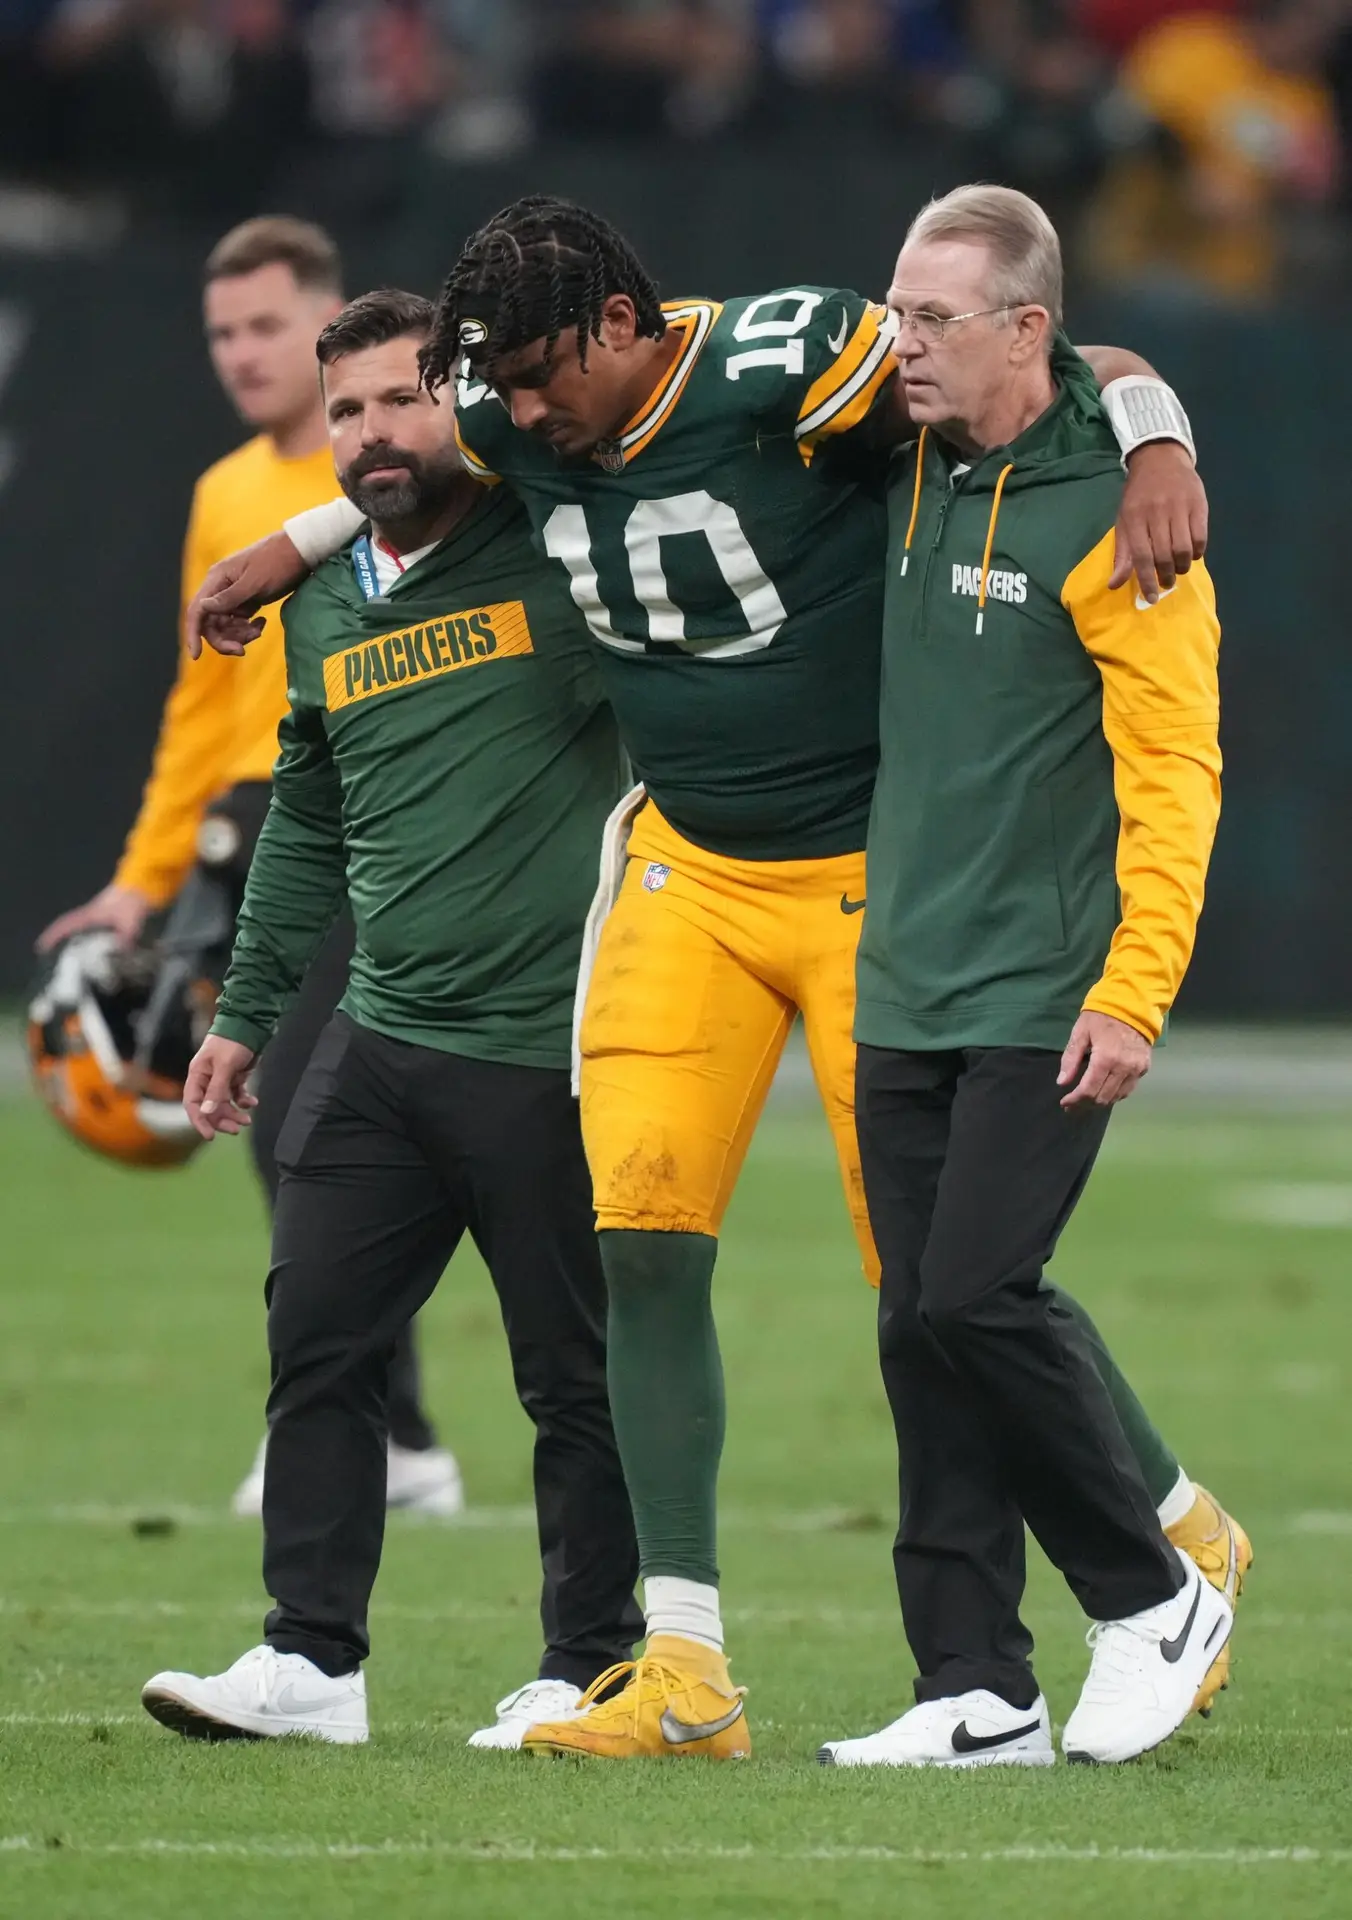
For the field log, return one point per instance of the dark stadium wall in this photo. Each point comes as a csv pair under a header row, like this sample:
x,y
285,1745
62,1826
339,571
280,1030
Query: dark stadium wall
x,y
108,411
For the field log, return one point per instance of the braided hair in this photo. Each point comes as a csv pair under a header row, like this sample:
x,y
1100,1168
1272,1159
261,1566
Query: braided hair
x,y
537,267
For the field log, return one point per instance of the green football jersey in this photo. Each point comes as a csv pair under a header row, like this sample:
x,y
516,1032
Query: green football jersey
x,y
728,557
448,763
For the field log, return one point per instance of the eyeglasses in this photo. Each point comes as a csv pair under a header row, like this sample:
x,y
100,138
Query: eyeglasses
x,y
931,327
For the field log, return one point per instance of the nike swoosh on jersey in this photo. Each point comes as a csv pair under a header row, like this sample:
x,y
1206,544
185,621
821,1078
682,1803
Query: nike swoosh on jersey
x,y
679,1733
964,1742
1143,605
1173,1649
837,341
851,906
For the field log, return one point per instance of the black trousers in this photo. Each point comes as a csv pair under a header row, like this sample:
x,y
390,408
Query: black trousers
x,y
389,1155
971,1169
279,1074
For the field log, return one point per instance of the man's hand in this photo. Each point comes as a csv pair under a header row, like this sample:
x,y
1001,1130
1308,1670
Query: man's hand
x,y
124,909
1117,1058
221,611
1162,522
214,1096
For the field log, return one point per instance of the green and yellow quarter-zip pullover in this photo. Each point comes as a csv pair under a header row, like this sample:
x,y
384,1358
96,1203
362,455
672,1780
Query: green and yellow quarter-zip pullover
x,y
1050,774
448,761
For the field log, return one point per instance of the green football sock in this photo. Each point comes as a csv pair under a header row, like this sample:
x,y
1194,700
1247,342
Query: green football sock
x,y
1159,1467
666,1394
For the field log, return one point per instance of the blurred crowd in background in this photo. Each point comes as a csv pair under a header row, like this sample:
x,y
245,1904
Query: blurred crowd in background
x,y
1196,144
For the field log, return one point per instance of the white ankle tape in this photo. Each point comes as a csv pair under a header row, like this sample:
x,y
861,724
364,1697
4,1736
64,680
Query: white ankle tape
x,y
684,1607
1177,1503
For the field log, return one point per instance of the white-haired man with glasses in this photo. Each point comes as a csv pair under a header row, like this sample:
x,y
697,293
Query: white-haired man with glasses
x,y
1041,826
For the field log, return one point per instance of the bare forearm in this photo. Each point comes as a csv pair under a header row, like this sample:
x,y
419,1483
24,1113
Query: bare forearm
x,y
1116,363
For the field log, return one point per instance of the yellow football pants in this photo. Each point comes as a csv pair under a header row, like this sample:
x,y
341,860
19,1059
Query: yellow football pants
x,y
701,968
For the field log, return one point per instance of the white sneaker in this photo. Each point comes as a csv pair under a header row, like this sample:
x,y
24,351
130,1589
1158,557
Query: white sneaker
x,y
263,1696
975,1729
1146,1671
427,1483
537,1701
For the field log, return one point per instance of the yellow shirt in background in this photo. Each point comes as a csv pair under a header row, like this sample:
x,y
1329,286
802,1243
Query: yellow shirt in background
x,y
220,720
1251,139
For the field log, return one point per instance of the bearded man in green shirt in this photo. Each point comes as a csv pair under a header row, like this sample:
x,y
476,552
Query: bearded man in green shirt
x,y
447,764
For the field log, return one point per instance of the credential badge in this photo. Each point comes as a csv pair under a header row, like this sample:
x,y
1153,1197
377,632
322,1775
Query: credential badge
x,y
655,876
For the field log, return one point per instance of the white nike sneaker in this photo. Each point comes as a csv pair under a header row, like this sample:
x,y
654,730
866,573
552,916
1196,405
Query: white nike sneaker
x,y
538,1700
427,1483
1145,1672
262,1697
975,1729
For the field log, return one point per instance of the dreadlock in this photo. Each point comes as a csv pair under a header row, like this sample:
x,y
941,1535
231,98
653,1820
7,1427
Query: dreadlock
x,y
538,266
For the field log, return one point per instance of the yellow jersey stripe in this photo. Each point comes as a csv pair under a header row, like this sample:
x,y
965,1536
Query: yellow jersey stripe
x,y
474,466
843,395
845,363
695,318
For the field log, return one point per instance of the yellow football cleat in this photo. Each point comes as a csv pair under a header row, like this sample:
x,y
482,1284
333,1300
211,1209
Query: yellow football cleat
x,y
665,1710
1220,1549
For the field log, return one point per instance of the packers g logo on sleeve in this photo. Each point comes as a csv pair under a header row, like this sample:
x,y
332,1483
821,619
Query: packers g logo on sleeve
x,y
473,333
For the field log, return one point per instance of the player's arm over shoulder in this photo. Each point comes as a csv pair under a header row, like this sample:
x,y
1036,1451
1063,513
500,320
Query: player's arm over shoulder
x,y
815,360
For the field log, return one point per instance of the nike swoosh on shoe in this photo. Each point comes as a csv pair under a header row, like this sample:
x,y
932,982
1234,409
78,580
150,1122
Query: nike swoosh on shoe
x,y
679,1733
288,1701
1173,1649
964,1742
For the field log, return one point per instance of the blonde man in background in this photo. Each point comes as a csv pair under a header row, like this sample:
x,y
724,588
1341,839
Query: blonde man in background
x,y
270,286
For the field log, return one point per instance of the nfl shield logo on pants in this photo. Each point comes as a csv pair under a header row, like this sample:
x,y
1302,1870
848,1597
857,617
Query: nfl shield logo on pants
x,y
655,876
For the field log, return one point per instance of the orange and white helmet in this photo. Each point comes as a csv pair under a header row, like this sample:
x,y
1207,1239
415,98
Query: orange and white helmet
x,y
110,1034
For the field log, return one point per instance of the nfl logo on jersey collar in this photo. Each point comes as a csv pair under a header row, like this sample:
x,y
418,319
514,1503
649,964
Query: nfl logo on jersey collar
x,y
609,456
655,876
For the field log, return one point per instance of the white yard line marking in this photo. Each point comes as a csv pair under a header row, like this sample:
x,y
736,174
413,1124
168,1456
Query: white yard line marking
x,y
527,1853
1289,1203
455,1724
848,1619
152,1514
1321,1523
69,1719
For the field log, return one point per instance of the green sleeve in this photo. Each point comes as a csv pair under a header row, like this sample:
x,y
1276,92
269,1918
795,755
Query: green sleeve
x,y
297,881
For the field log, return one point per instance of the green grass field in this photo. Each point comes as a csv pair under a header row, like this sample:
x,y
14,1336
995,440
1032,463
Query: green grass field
x,y
131,1385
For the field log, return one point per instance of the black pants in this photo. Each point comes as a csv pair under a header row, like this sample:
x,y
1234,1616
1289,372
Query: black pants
x,y
389,1154
279,1074
971,1169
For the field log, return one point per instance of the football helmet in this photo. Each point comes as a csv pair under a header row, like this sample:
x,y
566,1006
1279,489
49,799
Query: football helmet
x,y
110,1034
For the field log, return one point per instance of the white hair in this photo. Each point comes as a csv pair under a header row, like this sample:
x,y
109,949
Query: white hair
x,y
1024,249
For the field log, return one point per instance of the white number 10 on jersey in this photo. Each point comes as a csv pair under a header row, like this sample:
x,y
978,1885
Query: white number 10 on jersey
x,y
567,538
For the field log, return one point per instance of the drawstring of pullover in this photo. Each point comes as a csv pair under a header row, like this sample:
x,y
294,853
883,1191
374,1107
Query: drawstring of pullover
x,y
990,530
915,500
990,542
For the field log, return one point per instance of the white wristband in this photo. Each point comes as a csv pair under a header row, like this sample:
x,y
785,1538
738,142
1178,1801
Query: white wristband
x,y
1141,408
320,532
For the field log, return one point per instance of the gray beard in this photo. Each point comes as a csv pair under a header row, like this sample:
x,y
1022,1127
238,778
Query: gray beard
x,y
390,499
